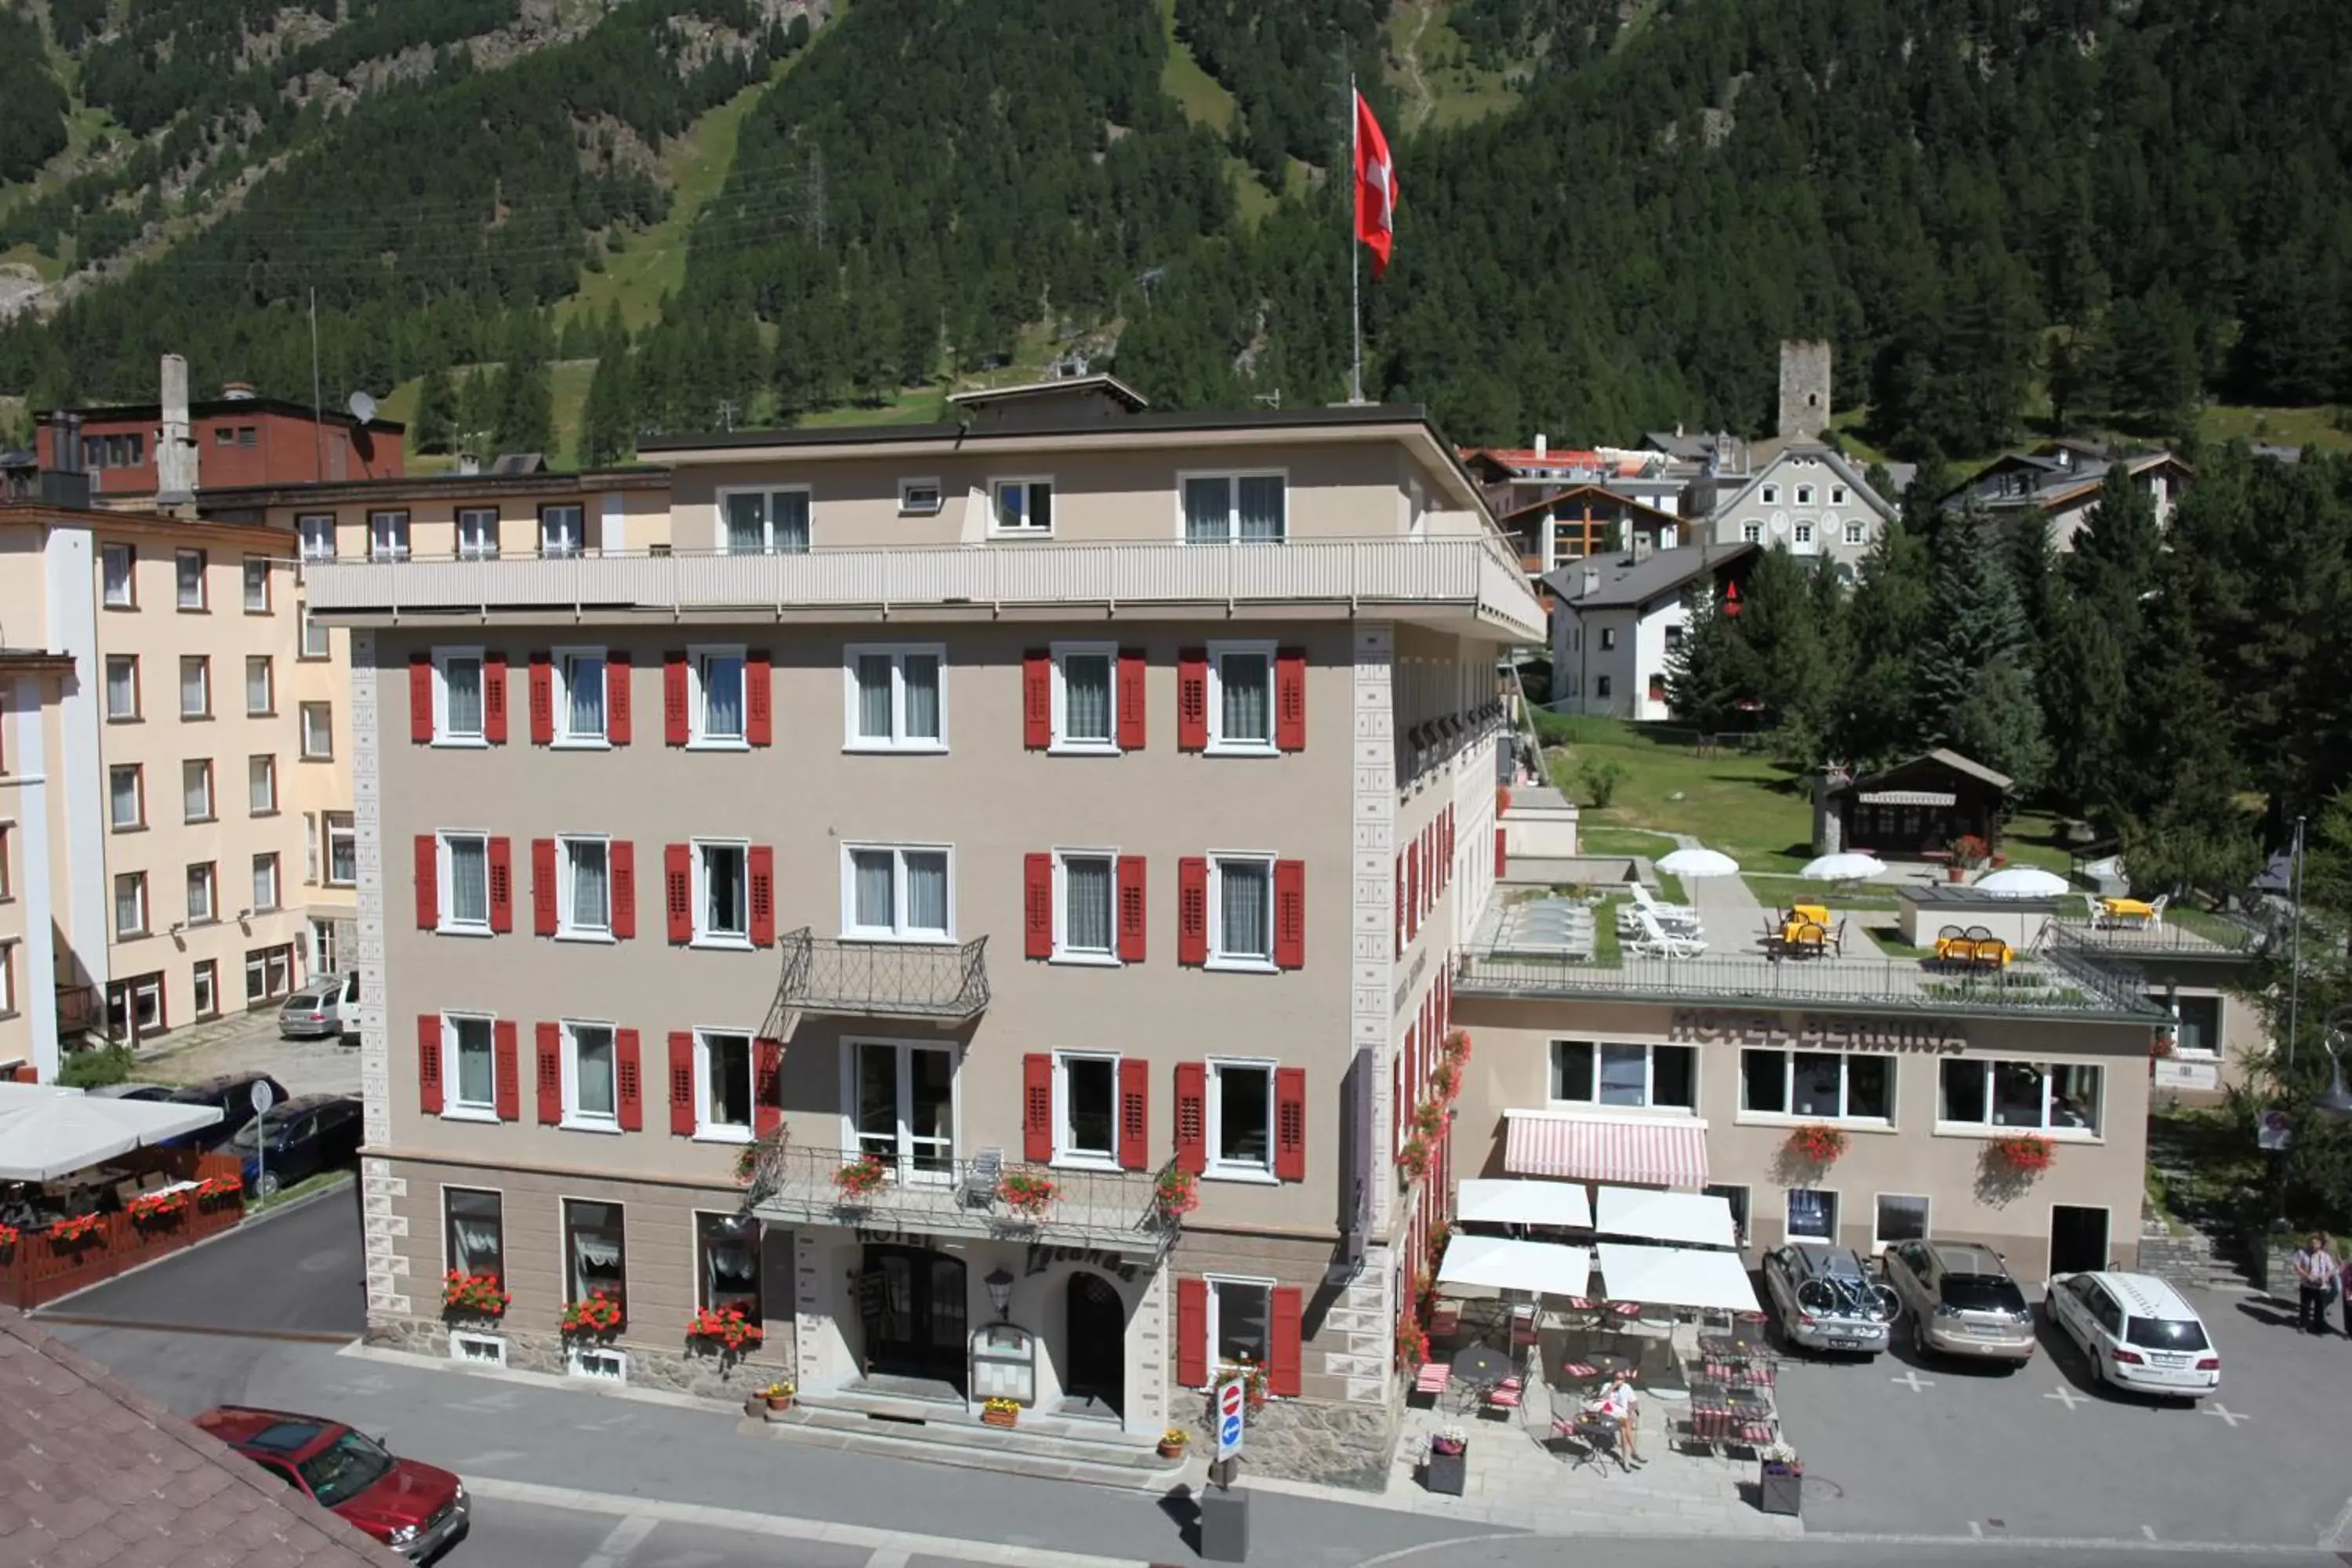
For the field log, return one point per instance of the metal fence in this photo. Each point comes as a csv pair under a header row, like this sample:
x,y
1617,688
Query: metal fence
x,y
883,979
965,1197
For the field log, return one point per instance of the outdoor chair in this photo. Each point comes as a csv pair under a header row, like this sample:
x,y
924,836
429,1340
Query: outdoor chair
x,y
981,1178
1505,1396
1434,1379
1656,942
1446,1317
2156,909
1837,938
1595,1442
1679,918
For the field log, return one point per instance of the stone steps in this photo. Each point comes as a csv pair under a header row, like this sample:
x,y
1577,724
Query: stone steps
x,y
1043,1447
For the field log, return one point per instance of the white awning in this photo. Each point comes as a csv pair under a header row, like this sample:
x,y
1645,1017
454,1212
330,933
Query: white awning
x,y
1559,1204
1541,1267
1699,1219
1676,1276
1661,1150
47,1131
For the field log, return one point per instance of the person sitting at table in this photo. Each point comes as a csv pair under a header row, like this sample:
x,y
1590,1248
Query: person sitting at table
x,y
1620,1399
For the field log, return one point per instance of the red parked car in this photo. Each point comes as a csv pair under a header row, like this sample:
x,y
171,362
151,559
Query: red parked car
x,y
416,1509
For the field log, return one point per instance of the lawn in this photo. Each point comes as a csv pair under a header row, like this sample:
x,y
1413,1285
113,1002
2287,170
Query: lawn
x,y
2285,426
1202,98
1745,803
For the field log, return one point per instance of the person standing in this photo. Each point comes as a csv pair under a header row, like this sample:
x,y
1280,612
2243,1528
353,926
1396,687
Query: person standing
x,y
2314,1275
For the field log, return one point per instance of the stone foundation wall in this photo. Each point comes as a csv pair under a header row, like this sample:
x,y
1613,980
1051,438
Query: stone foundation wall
x,y
1300,1440
650,1366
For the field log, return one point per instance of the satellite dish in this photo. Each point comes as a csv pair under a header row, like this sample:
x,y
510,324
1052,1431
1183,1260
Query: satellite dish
x,y
362,408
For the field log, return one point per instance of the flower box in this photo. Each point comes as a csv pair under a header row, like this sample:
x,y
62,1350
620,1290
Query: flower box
x,y
1001,1413
1780,1489
157,1209
1026,1192
1447,1473
73,1232
860,1177
1176,1193
594,1316
474,1296
2027,1153
726,1329
1817,1143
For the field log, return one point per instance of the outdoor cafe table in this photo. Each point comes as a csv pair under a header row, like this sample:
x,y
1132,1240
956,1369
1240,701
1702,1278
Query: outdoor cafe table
x,y
1818,914
1481,1366
2135,910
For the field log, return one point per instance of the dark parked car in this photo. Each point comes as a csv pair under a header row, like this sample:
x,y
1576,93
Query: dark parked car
x,y
416,1509
306,1135
233,1093
132,1091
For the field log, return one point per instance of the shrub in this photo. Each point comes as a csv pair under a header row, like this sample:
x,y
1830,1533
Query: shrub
x,y
95,1068
1600,776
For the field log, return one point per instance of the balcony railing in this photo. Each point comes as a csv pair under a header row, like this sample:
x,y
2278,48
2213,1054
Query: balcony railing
x,y
1115,1210
2190,933
944,984
77,1010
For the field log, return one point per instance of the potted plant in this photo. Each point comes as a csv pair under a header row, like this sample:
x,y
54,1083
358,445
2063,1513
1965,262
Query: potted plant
x,y
1413,1158
595,1316
1780,1480
1446,1080
474,1296
76,1230
1026,1192
858,1178
1456,1046
2027,1153
725,1329
212,1189
1412,1341
156,1209
1968,852
1449,1461
1172,1443
1001,1413
778,1395
1176,1192
9,1234
1428,1119
1817,1143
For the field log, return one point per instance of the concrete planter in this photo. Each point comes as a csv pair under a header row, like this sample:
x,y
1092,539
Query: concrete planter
x,y
1780,1489
1447,1473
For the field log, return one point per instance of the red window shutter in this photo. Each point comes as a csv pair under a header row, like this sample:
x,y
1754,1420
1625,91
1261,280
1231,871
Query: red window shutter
x,y
1133,918
1290,914
763,895
1400,938
428,1063
542,699
1192,909
502,884
494,699
1131,731
674,699
758,713
1192,1331
542,886
678,878
1037,1108
1192,1116
550,1074
1193,700
1285,1355
767,1086
1036,700
623,880
681,1084
629,1079
1037,906
1498,852
508,1065
429,882
616,696
420,698
1290,699
1411,890
1134,1113
1291,1123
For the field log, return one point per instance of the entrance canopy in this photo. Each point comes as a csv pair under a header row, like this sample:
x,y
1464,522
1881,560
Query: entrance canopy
x,y
1640,1150
1676,1276
1699,1219
1541,1267
47,1131
1562,1204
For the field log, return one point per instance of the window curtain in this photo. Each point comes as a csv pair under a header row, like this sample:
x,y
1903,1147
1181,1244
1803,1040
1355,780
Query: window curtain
x,y
722,696
921,675
872,868
926,893
469,893
1244,679
722,877
474,1072
462,680
746,523
587,682
1244,910
790,510
1208,512
1087,920
874,696
477,1247
1085,697
588,885
120,684
1261,508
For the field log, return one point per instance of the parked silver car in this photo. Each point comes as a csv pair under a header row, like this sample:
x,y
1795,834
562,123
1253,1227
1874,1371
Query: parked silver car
x,y
326,1007
1961,1300
1827,1299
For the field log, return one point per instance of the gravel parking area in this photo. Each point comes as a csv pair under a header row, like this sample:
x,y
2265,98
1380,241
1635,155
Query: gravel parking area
x,y
249,1041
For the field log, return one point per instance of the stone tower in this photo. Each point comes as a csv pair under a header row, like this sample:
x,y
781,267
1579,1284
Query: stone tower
x,y
1804,389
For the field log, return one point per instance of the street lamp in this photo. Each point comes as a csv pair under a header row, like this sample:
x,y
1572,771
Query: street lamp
x,y
1000,1287
2336,1102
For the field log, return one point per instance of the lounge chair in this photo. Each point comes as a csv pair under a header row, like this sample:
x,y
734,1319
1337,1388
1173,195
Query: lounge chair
x,y
1681,919
1656,942
2156,909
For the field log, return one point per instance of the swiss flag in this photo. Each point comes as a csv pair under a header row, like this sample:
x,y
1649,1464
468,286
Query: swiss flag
x,y
1375,188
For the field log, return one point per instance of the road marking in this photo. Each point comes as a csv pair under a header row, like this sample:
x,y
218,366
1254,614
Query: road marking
x,y
622,1541
1914,1381
2148,1530
888,1557
2339,1534
1976,1530
2226,1414
2067,1396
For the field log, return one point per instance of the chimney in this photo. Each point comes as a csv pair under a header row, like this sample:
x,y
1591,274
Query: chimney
x,y
175,452
468,464
1541,443
1591,582
63,483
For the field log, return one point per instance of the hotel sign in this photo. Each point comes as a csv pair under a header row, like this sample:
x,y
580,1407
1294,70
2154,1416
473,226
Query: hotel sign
x,y
1807,1032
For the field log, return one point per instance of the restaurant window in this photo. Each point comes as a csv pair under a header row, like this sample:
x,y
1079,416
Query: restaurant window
x,y
1241,1319
206,988
1817,1085
727,1269
1900,1218
2035,1096
1584,1072
595,1260
268,973
1812,1215
477,1233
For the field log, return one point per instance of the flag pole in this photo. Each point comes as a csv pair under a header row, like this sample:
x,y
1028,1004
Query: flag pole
x,y
1355,252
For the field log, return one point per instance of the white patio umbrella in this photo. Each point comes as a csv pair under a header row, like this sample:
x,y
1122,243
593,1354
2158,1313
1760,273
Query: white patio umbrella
x,y
1846,867
1699,863
2024,882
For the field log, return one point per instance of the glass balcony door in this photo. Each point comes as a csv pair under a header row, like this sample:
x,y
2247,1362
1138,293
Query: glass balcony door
x,y
904,1108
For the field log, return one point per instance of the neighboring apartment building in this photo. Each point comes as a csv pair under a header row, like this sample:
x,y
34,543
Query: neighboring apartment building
x,y
1586,521
34,878
2063,479
1807,497
907,825
1616,621
234,440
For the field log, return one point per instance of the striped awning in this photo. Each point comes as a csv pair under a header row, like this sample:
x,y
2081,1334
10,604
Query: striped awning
x,y
1647,1152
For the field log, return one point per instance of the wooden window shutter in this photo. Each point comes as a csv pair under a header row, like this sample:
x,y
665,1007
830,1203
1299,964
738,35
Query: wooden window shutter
x,y
507,1053
762,895
1192,1116
767,1086
759,709
675,704
428,1063
623,856
1193,700
1290,699
1291,1123
681,1084
550,1074
501,876
1498,852
1037,1108
542,699
420,698
494,699
1134,1113
1290,914
1037,906
429,882
1285,1353
1399,877
1192,1331
1193,911
1131,730
629,1079
616,696
1133,909
1036,700
542,886
1411,890
678,890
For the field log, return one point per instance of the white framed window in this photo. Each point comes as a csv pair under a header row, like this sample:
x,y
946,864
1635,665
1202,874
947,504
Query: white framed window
x,y
8,979
458,696
722,893
1804,495
1804,533
1855,533
897,697
579,696
1233,509
1608,639
1978,1093
1085,697
1772,495
342,853
205,984
583,902
1241,1119
1813,1216
260,686
1085,1109
592,1097
1241,1322
465,884
196,790
470,1069
122,686
919,498
387,536
1241,697
903,1108
1837,495
1817,1085
561,533
1086,906
131,904
1021,506
116,573
265,883
1610,1073
257,584
268,972
1241,911
1751,532
261,786
318,731
895,892
1898,1217
764,521
325,949
314,534
722,1086
477,533
195,686
318,641
201,905
715,697
126,797
188,575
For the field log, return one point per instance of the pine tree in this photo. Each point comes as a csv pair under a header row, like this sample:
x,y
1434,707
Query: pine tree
x,y
608,420
1703,668
1885,620
524,409
2176,804
1975,692
2110,572
436,427
477,412
1780,666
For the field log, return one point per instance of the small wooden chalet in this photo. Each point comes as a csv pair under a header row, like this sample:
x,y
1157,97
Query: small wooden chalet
x,y
1912,810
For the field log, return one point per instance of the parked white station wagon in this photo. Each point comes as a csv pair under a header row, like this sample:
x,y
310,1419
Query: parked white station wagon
x,y
2138,1333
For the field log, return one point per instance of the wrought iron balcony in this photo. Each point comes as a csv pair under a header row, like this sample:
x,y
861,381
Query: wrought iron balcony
x,y
944,982
1115,1210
